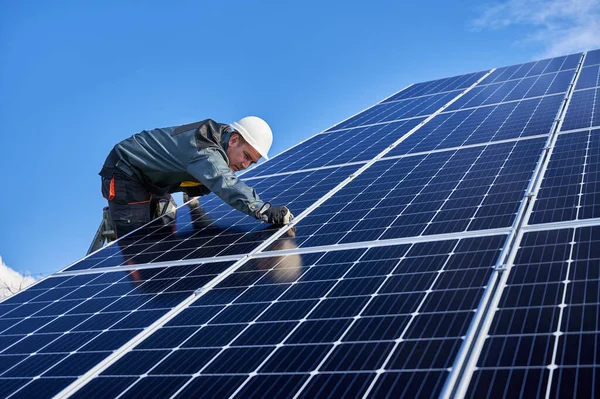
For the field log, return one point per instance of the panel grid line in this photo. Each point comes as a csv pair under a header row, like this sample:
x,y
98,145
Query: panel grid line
x,y
361,170
563,303
119,353
145,332
517,79
411,154
378,287
460,384
501,102
199,372
404,331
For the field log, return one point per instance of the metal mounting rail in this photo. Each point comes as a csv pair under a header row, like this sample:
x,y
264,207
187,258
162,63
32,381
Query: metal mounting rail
x,y
115,356
567,224
378,157
462,370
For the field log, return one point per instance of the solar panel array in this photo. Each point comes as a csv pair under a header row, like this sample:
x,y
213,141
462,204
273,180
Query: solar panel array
x,y
446,244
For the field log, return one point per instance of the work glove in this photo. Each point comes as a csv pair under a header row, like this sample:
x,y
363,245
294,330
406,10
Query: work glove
x,y
277,215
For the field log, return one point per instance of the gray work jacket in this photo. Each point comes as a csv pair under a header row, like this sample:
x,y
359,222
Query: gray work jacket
x,y
190,158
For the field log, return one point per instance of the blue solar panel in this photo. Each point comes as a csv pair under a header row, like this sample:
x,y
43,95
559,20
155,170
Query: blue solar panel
x,y
513,90
544,337
443,192
570,189
437,86
64,326
387,285
214,228
482,125
592,58
404,309
396,110
352,145
584,110
533,68
589,78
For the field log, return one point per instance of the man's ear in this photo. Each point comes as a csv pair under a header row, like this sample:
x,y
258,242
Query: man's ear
x,y
233,139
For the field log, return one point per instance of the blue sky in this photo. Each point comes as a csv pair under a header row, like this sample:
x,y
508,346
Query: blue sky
x,y
77,77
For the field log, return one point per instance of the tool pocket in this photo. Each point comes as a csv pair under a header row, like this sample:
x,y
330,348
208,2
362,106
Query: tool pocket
x,y
108,188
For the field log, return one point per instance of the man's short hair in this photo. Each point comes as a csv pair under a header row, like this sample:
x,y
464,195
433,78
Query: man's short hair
x,y
242,139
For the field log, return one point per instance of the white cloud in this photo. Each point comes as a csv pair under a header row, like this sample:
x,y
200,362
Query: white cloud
x,y
11,281
560,26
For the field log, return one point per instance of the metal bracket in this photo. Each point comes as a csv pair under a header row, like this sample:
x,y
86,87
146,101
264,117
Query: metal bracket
x,y
501,267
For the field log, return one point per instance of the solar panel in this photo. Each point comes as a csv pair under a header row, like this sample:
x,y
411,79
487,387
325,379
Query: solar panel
x,y
437,86
214,228
445,244
442,192
543,340
326,149
64,326
514,90
533,68
570,189
485,124
592,58
585,111
296,321
397,110
589,77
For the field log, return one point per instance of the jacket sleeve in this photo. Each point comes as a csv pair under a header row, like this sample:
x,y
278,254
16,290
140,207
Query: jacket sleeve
x,y
209,167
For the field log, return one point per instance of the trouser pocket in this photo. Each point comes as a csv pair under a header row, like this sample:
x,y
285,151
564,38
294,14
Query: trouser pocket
x,y
129,203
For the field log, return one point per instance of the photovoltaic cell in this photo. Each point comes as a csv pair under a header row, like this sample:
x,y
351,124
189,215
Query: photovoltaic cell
x,y
352,145
583,111
401,308
438,86
592,58
482,125
64,326
513,90
460,190
402,109
385,320
533,68
545,333
589,77
570,189
214,228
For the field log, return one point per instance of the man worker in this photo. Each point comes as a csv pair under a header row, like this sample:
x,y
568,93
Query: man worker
x,y
197,159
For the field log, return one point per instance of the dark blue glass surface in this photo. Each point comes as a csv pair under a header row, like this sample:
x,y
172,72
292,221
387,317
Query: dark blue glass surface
x,y
533,68
213,228
386,320
550,305
438,86
513,90
352,145
327,297
396,110
588,77
461,190
592,58
570,188
38,341
583,111
485,124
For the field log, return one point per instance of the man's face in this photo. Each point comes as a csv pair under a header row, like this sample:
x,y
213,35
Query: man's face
x,y
241,155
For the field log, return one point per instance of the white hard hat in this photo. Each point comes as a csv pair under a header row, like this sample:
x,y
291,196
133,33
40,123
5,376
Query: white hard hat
x,y
256,132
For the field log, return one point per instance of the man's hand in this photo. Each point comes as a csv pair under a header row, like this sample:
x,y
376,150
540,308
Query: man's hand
x,y
278,215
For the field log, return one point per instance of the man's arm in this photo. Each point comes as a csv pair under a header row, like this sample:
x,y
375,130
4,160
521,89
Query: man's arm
x,y
211,169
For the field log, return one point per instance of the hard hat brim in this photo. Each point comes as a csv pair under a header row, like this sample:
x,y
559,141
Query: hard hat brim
x,y
240,129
